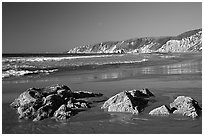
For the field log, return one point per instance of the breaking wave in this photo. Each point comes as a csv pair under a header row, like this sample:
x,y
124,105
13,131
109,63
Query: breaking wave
x,y
40,59
123,62
23,66
16,73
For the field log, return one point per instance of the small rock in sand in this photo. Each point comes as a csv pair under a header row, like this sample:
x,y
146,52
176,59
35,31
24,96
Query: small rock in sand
x,y
162,110
186,106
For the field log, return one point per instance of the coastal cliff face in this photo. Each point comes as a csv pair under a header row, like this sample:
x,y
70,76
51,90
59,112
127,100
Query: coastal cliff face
x,y
190,41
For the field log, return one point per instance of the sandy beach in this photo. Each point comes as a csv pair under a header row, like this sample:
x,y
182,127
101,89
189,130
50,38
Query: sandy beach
x,y
165,80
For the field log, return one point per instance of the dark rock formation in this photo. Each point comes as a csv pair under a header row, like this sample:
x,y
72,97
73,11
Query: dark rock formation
x,y
190,41
144,93
128,101
77,104
51,103
163,110
63,112
186,106
55,89
57,100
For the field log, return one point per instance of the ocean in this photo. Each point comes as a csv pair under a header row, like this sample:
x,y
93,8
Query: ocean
x,y
167,75
42,64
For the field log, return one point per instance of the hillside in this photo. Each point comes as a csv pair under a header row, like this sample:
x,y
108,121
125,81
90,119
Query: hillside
x,y
190,41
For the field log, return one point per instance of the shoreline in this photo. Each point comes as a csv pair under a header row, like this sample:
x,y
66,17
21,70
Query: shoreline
x,y
175,80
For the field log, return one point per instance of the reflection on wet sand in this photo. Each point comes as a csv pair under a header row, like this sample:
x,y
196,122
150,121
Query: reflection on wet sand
x,y
148,70
111,75
182,68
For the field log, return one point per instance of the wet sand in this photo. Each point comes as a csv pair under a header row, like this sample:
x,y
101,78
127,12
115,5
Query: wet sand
x,y
165,80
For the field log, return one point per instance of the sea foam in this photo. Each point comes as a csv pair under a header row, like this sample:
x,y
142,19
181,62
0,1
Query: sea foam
x,y
20,66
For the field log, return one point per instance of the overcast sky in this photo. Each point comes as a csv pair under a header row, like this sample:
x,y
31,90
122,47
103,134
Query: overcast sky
x,y
58,27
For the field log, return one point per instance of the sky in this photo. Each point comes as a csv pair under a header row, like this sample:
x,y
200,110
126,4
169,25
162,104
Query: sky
x,y
57,27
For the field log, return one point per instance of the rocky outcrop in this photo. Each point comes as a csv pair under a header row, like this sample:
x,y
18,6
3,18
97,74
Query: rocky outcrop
x,y
63,112
163,110
190,41
133,101
53,101
59,102
186,106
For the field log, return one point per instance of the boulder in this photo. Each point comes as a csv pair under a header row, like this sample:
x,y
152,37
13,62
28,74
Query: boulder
x,y
54,100
77,104
65,94
162,110
186,106
144,93
63,112
51,103
41,103
54,89
127,101
28,98
27,113
43,112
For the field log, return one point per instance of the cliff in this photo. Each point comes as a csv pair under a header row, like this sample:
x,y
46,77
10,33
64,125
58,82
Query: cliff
x,y
190,41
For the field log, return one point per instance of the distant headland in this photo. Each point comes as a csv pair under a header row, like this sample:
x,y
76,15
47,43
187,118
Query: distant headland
x,y
190,41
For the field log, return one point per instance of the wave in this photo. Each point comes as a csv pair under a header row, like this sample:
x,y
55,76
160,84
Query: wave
x,y
124,62
22,66
17,73
40,59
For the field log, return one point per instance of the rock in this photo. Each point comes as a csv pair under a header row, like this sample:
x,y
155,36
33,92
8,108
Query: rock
x,y
77,104
41,103
26,113
43,112
54,100
186,106
84,94
66,94
28,98
126,101
63,112
51,104
55,89
145,93
163,110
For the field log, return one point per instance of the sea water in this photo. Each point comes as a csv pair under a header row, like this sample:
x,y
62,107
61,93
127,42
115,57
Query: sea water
x,y
41,64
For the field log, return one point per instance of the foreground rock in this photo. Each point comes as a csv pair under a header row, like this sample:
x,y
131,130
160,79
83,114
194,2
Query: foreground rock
x,y
128,101
63,112
163,110
53,101
186,106
143,93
